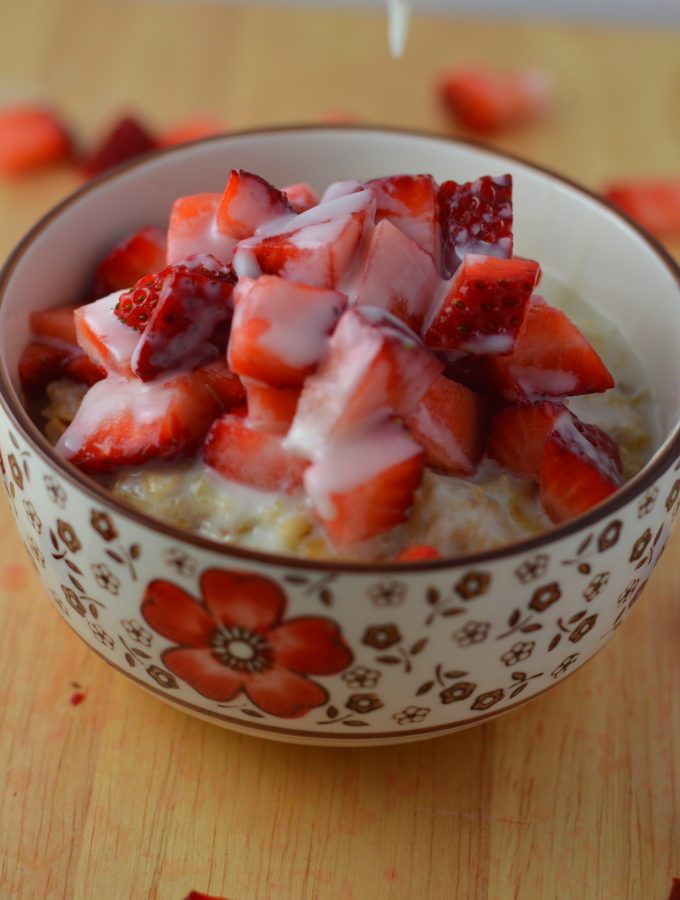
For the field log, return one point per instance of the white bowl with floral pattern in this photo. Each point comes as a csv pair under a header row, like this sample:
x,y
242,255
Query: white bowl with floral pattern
x,y
341,654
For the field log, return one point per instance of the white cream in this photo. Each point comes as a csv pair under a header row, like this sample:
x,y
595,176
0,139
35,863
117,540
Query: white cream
x,y
399,15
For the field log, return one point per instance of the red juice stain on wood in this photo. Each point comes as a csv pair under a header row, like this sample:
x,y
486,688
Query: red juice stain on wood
x,y
76,698
197,895
675,890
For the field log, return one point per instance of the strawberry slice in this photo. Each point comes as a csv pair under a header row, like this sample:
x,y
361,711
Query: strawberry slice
x,y
251,457
489,101
475,217
57,324
192,229
653,202
224,383
450,425
104,338
195,128
406,290
551,358
365,485
270,408
484,307
580,466
281,329
409,202
518,435
30,138
39,364
301,196
137,255
125,422
80,368
247,203
127,139
373,369
417,553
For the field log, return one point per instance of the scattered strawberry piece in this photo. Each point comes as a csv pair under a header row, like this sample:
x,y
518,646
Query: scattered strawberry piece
x,y
410,203
484,307
417,553
281,329
247,203
56,323
518,435
365,485
450,425
80,368
301,196
226,385
194,128
270,408
127,139
489,101
104,338
653,202
475,217
30,139
251,457
192,229
137,255
551,358
38,365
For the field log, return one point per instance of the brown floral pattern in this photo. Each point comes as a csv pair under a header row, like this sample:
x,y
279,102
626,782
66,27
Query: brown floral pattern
x,y
361,677
533,568
472,633
488,699
105,578
412,715
364,703
473,585
103,525
461,690
381,637
519,652
544,597
68,536
387,593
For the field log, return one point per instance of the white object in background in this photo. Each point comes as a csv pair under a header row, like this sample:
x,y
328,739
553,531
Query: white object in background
x,y
398,16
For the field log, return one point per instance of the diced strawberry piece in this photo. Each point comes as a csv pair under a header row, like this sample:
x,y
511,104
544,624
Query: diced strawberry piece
x,y
551,358
30,138
251,457
104,338
271,408
56,323
301,196
81,368
226,385
475,217
488,101
192,129
247,203
125,422
653,202
410,203
580,466
372,370
518,435
417,553
39,364
192,229
127,139
137,255
398,276
450,425
484,307
280,329
469,369
365,485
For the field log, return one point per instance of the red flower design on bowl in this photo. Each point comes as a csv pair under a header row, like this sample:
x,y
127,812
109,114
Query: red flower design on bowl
x,y
234,641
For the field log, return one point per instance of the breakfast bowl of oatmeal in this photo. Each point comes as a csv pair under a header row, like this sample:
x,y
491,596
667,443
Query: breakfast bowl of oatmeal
x,y
341,435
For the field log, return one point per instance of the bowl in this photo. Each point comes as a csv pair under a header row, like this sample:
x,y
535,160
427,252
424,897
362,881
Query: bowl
x,y
339,654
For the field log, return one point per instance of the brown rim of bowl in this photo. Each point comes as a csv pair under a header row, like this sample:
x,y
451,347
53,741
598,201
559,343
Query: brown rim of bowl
x,y
644,479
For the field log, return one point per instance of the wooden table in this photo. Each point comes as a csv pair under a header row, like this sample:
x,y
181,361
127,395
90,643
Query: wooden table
x,y
577,794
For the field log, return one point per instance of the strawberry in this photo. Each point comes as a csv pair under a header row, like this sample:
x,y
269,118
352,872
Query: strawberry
x,y
653,202
270,408
551,358
484,306
57,324
137,255
489,101
30,138
519,433
80,368
405,290
224,383
580,466
450,425
251,457
410,203
247,203
374,368
104,338
125,422
127,139
192,229
475,217
301,196
417,553
364,485
194,128
38,365
469,369
280,329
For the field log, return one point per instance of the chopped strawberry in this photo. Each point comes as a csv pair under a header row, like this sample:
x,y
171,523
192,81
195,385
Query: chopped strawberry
x,y
281,329
125,422
488,101
365,485
271,408
247,203
580,466
406,290
38,365
372,370
104,338
30,138
81,368
225,384
192,229
417,553
137,255
469,369
518,435
127,139
484,307
251,457
410,203
56,323
551,358
301,196
475,217
653,202
192,129
450,425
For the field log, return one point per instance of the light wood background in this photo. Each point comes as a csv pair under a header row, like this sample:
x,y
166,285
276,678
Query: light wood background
x,y
576,795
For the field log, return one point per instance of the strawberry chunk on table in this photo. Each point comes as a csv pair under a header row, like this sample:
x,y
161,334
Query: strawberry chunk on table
x,y
488,101
654,203
31,138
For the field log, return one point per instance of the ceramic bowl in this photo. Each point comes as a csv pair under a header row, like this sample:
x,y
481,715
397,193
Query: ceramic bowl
x,y
341,654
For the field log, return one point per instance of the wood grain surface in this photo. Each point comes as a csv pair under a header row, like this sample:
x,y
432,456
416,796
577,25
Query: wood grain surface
x,y
576,795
